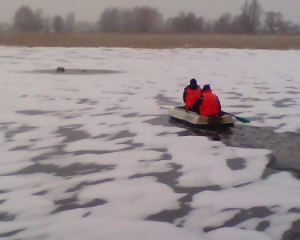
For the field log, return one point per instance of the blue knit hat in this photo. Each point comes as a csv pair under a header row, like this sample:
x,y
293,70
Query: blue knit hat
x,y
193,81
206,87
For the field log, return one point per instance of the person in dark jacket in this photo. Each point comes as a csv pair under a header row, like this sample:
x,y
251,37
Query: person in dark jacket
x,y
191,95
209,104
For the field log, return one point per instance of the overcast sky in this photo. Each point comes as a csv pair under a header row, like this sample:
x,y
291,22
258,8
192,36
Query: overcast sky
x,y
90,10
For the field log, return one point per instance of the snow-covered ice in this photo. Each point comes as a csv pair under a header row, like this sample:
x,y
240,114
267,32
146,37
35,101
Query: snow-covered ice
x,y
92,156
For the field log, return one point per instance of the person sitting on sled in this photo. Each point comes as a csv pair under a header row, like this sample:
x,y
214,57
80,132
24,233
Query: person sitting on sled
x,y
209,104
191,95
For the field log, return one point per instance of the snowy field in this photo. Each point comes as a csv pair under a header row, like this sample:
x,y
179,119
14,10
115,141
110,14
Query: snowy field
x,y
92,156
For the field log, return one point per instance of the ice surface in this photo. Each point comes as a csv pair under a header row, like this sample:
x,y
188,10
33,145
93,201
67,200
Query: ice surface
x,y
94,156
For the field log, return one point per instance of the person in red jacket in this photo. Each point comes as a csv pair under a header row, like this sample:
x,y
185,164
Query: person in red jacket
x,y
191,95
209,104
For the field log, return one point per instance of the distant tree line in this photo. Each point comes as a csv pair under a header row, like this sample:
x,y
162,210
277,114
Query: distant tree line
x,y
26,19
251,20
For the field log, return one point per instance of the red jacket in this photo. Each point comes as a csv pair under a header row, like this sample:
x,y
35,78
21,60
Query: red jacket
x,y
210,105
192,96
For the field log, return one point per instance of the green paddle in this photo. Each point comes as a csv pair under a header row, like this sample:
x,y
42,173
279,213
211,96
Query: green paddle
x,y
243,120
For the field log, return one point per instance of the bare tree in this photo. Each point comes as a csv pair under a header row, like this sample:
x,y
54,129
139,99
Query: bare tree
x,y
273,21
175,24
128,23
138,19
147,19
224,23
236,25
250,17
26,20
44,21
58,24
70,22
185,23
287,27
110,20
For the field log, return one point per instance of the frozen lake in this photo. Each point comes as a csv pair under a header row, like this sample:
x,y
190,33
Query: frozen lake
x,y
92,155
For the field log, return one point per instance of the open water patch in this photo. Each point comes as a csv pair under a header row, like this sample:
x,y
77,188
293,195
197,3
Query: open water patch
x,y
74,71
284,146
33,112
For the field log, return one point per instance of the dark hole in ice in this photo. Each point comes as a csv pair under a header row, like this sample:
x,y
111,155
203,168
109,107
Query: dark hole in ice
x,y
74,71
236,163
60,69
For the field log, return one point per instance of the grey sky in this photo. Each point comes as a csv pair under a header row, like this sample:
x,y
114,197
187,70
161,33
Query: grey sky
x,y
90,10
